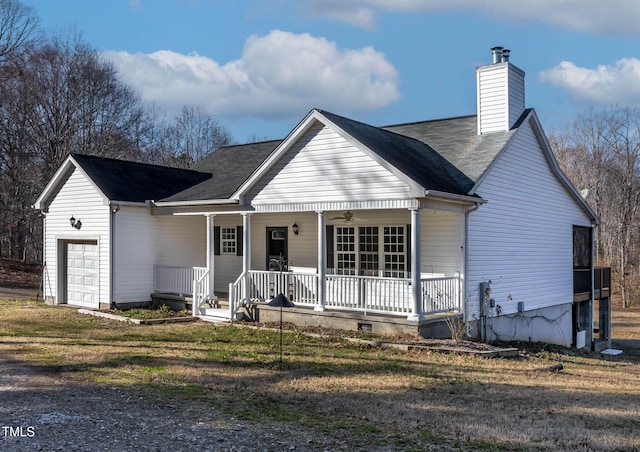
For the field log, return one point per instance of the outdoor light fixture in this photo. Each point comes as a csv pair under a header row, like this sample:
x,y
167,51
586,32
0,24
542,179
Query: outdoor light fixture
x,y
75,223
296,229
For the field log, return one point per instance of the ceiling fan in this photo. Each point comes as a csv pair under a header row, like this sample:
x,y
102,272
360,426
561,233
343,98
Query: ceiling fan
x,y
348,217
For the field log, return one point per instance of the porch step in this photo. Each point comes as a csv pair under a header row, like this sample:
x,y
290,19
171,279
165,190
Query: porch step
x,y
214,314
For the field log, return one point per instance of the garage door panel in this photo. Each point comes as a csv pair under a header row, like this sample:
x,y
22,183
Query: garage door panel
x,y
82,274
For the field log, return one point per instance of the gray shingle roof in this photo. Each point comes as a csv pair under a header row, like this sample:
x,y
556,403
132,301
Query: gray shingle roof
x,y
230,167
411,156
444,155
457,140
121,180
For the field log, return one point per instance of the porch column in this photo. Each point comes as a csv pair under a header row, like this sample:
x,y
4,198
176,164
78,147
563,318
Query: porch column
x,y
211,255
416,292
322,261
246,254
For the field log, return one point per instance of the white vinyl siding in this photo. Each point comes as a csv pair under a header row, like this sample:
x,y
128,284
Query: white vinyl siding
x,y
133,254
500,97
144,240
522,238
80,199
323,167
442,235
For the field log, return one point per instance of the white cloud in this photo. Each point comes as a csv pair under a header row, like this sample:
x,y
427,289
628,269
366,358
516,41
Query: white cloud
x,y
280,74
606,85
611,17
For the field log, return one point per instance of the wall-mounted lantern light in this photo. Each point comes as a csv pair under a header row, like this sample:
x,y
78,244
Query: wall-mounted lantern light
x,y
75,223
295,228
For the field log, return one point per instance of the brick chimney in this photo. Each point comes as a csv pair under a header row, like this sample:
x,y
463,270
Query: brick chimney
x,y
500,93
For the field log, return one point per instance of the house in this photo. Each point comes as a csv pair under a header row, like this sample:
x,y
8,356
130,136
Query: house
x,y
377,228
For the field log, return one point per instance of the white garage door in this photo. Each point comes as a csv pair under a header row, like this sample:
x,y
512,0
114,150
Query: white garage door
x,y
82,274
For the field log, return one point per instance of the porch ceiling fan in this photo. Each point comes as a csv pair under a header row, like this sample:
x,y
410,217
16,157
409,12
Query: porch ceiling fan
x,y
348,217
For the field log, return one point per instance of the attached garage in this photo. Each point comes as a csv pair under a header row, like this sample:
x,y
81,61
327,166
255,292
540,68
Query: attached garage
x,y
96,214
82,273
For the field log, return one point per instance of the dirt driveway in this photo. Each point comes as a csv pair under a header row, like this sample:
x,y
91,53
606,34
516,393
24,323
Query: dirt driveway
x,y
43,412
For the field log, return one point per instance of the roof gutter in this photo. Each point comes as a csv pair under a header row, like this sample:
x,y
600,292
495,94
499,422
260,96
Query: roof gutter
x,y
466,199
200,202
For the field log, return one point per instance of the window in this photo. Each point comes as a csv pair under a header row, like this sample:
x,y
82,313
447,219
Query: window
x,y
346,250
369,246
228,239
365,251
394,252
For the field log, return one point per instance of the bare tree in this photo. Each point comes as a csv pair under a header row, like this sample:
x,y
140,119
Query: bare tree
x,y
19,29
601,153
58,98
194,135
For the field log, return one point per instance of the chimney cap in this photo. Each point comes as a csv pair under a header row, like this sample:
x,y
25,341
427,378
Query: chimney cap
x,y
497,54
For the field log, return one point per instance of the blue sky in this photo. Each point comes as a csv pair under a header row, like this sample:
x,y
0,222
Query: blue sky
x,y
259,66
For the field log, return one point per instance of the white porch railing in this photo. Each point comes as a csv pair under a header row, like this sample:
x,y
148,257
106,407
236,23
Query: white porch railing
x,y
177,280
369,294
441,294
200,292
357,293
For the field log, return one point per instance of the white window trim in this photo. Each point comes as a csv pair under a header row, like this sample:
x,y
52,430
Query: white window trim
x,y
228,246
381,251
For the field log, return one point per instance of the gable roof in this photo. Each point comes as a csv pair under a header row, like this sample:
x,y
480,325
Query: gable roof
x,y
230,167
122,180
414,158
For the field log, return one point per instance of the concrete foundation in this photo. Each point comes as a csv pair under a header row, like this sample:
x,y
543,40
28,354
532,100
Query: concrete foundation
x,y
431,326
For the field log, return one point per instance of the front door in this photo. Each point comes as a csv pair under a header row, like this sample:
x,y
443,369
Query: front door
x,y
277,247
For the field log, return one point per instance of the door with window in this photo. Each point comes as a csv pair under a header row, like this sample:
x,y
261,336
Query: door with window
x,y
277,248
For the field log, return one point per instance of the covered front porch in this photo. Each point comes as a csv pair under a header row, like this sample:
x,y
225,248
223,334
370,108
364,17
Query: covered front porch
x,y
364,261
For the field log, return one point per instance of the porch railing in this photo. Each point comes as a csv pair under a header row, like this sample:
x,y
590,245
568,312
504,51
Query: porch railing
x,y
178,280
441,294
369,294
347,292
200,291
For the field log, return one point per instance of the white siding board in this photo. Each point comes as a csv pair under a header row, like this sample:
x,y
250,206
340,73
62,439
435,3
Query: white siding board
x,y
181,240
442,235
521,239
500,97
77,198
323,166
133,254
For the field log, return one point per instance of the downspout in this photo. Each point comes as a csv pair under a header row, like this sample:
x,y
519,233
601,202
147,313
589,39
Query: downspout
x,y
465,268
113,209
44,255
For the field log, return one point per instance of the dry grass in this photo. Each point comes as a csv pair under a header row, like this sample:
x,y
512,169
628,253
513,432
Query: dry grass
x,y
381,396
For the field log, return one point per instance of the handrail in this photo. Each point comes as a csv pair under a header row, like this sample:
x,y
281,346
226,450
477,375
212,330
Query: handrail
x,y
200,292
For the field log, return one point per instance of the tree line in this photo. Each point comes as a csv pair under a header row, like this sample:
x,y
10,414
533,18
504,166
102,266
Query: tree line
x,y
600,153
58,95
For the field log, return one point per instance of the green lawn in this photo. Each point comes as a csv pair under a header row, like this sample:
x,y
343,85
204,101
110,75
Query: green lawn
x,y
404,400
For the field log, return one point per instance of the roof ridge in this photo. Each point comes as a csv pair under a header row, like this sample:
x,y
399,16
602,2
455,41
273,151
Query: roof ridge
x,y
81,156
451,118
